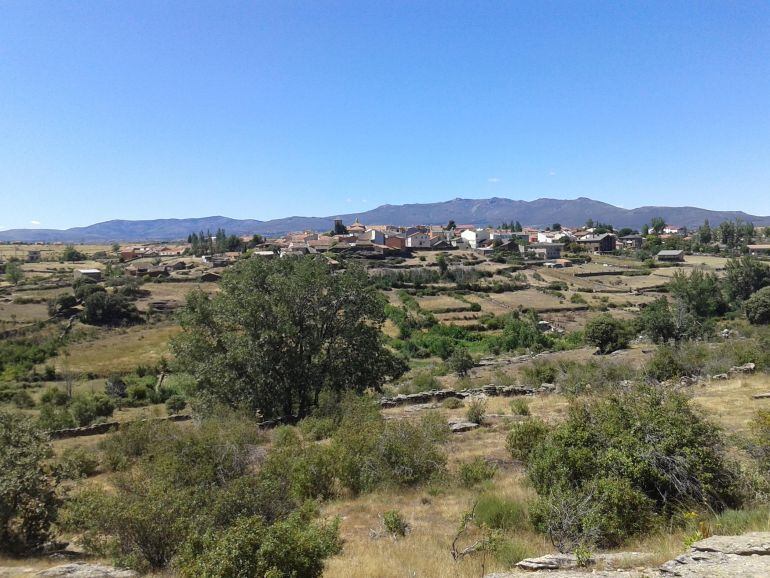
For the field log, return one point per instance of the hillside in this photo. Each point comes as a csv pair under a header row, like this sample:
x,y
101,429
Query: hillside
x,y
540,212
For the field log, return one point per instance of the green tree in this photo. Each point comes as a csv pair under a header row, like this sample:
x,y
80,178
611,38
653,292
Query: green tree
x,y
758,307
27,491
705,235
103,308
657,225
13,272
745,276
701,292
606,333
443,266
280,331
461,361
451,225
72,254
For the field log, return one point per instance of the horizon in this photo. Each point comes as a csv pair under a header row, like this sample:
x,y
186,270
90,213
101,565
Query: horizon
x,y
141,111
335,215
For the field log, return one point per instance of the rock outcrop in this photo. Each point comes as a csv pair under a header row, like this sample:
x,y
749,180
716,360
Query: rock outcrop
x,y
746,556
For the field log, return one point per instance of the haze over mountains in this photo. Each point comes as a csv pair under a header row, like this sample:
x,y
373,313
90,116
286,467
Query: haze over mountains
x,y
540,212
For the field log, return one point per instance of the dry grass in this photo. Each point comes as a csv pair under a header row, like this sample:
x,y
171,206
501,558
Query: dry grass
x,y
119,349
730,402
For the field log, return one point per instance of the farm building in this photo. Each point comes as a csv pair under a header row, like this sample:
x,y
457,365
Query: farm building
x,y
671,256
94,274
759,250
546,250
604,243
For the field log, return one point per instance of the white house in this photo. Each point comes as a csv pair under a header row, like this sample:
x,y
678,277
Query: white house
x,y
375,236
418,240
474,237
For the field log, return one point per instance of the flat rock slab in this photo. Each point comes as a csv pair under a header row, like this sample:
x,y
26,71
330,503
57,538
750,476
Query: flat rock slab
x,y
570,562
461,426
83,570
765,395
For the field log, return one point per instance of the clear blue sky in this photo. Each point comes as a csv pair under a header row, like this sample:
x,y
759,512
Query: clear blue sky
x,y
149,109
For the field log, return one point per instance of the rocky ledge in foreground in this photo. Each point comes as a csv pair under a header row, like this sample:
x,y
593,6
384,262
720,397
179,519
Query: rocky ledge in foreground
x,y
72,570
746,556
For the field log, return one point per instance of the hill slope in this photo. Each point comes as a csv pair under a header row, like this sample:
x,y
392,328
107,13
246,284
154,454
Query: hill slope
x,y
540,212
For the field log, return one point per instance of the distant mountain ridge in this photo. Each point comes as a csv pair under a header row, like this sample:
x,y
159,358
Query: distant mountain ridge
x,y
540,212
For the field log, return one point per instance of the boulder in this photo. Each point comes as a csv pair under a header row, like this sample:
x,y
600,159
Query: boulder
x,y
745,368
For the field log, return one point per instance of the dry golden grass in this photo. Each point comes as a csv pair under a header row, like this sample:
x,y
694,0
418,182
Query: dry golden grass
x,y
730,403
119,349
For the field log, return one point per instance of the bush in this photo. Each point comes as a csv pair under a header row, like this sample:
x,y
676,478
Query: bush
x,y
758,307
477,410
620,461
175,404
394,523
317,428
115,386
369,452
54,396
52,418
28,500
289,548
524,437
520,406
501,513
86,408
452,403
461,361
23,400
476,471
76,463
538,373
606,333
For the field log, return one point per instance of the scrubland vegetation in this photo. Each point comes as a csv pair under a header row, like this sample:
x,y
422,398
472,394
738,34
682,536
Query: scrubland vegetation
x,y
630,445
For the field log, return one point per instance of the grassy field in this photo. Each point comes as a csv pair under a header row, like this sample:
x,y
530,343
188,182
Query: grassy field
x,y
119,350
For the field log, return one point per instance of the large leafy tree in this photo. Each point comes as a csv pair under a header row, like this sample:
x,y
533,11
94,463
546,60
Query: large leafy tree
x,y
745,276
27,489
281,331
701,292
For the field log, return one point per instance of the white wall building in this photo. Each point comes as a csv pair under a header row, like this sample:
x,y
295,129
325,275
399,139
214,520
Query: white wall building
x,y
474,237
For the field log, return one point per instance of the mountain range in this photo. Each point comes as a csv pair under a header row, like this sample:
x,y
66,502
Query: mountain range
x,y
481,212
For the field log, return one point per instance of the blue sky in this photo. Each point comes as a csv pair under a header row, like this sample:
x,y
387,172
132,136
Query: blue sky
x,y
151,109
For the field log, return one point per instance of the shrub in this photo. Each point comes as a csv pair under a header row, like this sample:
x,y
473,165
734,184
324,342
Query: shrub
x,y
27,490
52,418
758,307
115,386
175,404
452,403
501,513
606,333
524,437
520,406
539,372
23,400
476,471
288,548
141,526
131,442
54,396
86,408
394,523
138,394
77,463
477,409
638,453
317,428
461,361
